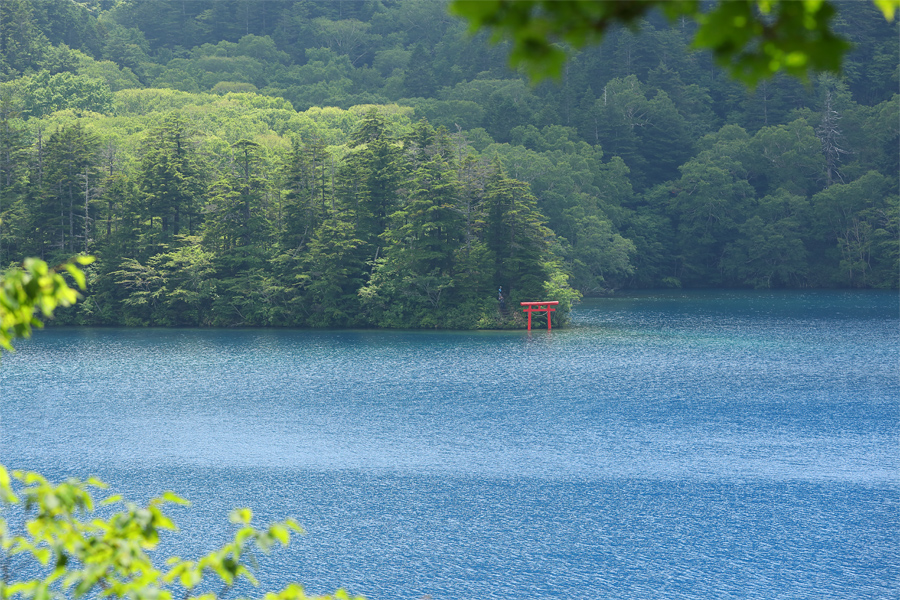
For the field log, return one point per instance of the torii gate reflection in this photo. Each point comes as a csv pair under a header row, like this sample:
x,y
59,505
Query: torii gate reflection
x,y
545,306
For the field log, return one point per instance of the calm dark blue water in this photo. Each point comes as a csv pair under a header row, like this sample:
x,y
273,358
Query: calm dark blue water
x,y
677,445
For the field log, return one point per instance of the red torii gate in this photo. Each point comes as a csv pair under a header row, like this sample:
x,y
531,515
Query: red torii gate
x,y
544,306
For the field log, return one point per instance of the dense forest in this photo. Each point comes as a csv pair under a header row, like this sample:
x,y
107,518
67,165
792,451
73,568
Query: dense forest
x,y
370,163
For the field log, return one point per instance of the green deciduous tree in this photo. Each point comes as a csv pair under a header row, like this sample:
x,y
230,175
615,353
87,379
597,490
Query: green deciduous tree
x,y
786,157
419,78
620,112
665,143
857,230
709,201
44,93
770,250
600,255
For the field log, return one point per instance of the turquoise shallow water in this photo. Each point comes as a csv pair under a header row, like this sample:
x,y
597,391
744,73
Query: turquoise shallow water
x,y
671,445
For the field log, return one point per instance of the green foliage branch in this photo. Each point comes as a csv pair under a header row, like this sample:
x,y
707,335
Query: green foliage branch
x,y
78,552
752,39
34,289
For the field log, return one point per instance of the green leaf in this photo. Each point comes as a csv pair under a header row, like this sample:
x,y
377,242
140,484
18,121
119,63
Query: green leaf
x,y
111,500
281,534
888,7
77,274
174,498
94,482
241,516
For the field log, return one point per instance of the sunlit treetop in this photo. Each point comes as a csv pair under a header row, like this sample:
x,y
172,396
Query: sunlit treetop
x,y
752,39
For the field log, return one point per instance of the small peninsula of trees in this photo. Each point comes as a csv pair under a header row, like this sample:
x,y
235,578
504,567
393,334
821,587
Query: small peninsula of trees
x,y
357,164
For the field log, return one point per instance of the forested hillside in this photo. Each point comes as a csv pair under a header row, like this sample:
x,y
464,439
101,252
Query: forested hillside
x,y
369,163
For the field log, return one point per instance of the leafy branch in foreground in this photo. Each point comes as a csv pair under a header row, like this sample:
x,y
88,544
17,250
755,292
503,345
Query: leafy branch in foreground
x,y
35,288
79,553
752,39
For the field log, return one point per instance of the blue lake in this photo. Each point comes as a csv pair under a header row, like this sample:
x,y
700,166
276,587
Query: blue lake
x,y
667,445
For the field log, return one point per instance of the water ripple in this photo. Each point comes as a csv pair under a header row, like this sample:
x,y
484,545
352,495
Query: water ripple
x,y
679,445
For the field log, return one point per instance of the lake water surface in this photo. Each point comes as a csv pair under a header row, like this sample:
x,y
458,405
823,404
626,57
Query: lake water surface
x,y
667,445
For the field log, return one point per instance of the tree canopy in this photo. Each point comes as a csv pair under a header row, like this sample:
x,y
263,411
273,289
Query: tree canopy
x,y
372,164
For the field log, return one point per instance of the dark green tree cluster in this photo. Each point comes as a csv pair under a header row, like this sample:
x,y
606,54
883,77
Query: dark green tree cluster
x,y
405,229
